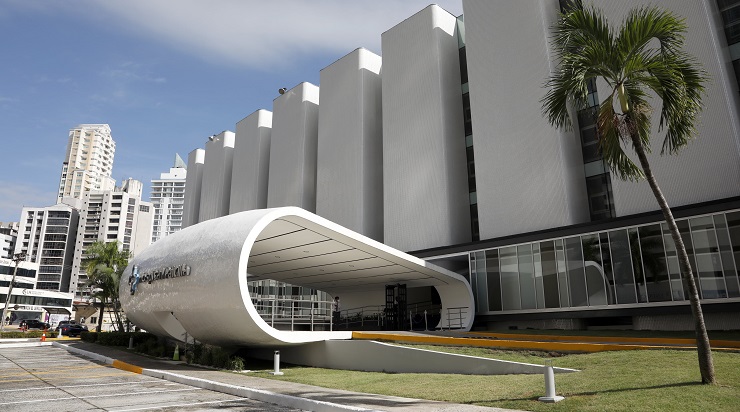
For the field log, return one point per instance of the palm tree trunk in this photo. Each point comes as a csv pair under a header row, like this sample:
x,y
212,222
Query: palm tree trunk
x,y
706,364
100,318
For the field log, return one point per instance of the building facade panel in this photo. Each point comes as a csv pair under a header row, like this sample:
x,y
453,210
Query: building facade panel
x,y
194,182
216,186
293,147
251,162
529,175
349,176
709,165
424,174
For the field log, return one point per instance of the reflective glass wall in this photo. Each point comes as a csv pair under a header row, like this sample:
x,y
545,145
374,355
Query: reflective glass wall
x,y
621,266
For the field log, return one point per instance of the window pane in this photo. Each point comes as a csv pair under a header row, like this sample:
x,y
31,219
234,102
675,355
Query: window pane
x,y
494,280
733,227
595,276
538,285
606,258
654,264
509,278
526,277
708,262
725,250
624,282
562,275
549,274
576,276
481,287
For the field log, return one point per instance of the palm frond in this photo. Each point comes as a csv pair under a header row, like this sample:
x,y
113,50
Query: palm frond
x,y
609,125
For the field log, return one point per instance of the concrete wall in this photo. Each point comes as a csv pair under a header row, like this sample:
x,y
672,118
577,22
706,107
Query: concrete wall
x,y
216,186
424,165
349,175
384,357
529,175
293,148
251,162
193,184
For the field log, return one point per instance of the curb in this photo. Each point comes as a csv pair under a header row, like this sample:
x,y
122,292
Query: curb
x,y
241,391
23,344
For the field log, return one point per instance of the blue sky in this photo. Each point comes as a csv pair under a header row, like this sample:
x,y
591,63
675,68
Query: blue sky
x,y
164,74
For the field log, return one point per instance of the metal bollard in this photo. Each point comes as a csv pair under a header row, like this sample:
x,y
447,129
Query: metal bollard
x,y
550,396
277,364
131,342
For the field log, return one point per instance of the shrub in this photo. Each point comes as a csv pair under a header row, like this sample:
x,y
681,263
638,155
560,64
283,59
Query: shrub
x,y
29,334
91,337
220,358
236,364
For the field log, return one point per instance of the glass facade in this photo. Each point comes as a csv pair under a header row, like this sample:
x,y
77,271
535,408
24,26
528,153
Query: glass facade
x,y
625,266
730,11
467,120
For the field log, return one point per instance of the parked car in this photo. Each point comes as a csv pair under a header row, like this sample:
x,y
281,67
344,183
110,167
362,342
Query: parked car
x,y
33,324
70,329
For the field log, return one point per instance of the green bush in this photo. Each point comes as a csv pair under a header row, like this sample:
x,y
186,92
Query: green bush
x,y
91,337
29,334
206,357
236,364
220,358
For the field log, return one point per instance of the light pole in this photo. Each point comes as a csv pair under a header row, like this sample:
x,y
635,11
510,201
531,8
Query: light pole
x,y
17,258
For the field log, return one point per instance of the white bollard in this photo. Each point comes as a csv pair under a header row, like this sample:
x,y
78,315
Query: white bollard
x,y
550,396
277,364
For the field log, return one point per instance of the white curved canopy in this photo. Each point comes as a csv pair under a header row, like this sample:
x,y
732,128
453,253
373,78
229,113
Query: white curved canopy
x,y
210,301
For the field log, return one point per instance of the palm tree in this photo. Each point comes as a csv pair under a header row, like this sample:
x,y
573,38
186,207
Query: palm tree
x,y
104,265
642,58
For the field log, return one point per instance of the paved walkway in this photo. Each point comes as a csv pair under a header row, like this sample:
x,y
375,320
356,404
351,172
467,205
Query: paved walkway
x,y
279,392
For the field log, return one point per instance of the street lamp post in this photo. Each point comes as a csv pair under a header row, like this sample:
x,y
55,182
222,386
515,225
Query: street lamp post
x,y
17,258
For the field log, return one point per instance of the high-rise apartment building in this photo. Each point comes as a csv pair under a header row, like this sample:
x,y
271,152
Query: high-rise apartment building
x,y
88,164
475,179
110,216
47,236
8,235
167,198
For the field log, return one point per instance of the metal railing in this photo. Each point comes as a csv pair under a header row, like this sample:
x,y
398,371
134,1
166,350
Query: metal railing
x,y
292,314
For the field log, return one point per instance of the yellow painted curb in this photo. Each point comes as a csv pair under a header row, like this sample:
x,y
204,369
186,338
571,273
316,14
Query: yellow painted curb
x,y
654,341
486,343
127,367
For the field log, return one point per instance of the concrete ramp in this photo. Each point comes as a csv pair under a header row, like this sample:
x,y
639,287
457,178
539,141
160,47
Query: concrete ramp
x,y
373,356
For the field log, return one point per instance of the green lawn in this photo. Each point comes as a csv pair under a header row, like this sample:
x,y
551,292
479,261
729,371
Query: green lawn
x,y
651,380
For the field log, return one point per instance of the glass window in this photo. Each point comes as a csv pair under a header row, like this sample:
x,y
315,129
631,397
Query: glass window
x,y
624,282
576,275
481,287
593,268
708,263
509,278
733,227
562,275
494,280
549,274
654,264
526,277
538,285
725,250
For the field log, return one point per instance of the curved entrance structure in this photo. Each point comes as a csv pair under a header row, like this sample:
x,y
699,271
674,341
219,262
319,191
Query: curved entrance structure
x,y
194,281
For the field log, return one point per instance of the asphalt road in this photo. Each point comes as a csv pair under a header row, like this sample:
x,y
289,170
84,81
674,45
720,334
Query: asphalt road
x,y
52,379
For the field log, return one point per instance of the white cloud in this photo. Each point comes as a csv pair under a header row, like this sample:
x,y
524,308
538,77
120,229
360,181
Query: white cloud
x,y
14,196
258,33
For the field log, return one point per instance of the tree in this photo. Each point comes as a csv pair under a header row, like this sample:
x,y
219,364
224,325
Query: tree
x,y
104,265
642,58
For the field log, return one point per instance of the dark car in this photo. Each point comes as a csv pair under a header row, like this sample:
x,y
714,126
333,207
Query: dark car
x,y
71,329
34,324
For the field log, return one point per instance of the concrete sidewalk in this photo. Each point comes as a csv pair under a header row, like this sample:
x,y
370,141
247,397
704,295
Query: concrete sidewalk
x,y
296,395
